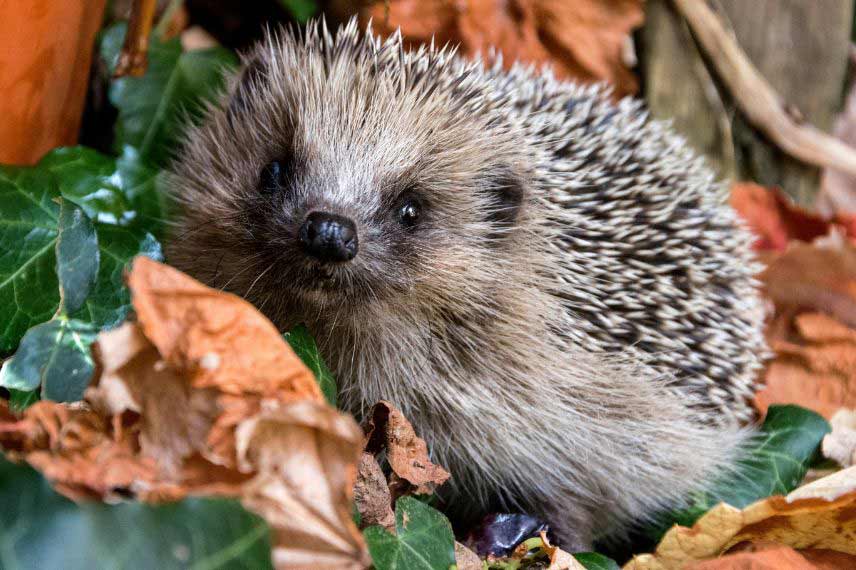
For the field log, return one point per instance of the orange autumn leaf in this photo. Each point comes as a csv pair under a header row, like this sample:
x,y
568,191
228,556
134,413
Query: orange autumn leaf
x,y
817,372
773,218
813,331
777,557
819,517
581,40
201,396
776,221
218,337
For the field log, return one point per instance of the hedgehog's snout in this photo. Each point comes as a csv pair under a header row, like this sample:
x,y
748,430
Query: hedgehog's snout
x,y
329,237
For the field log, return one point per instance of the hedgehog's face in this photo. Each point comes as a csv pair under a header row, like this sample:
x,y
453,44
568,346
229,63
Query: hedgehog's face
x,y
335,189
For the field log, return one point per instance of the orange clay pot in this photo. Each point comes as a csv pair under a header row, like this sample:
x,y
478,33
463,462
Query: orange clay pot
x,y
45,56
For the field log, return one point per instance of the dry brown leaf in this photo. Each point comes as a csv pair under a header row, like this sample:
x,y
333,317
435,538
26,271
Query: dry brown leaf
x,y
559,559
202,396
769,558
840,444
773,218
84,454
820,516
816,369
466,559
174,418
371,494
815,278
582,40
387,428
218,338
305,455
813,332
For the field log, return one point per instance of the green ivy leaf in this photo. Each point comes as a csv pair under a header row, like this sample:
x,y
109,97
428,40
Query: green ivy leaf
x,y
778,460
41,529
304,346
423,539
76,256
29,230
19,400
54,355
29,216
153,108
595,561
110,301
118,191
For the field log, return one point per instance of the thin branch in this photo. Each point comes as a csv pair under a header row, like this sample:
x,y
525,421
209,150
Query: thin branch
x,y
133,59
758,101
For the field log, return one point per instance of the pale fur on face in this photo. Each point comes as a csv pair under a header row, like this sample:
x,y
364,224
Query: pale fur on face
x,y
572,324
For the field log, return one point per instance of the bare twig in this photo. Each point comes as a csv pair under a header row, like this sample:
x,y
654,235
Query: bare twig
x,y
133,58
757,99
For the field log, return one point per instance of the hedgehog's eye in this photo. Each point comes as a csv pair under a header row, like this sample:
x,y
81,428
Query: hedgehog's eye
x,y
272,177
408,212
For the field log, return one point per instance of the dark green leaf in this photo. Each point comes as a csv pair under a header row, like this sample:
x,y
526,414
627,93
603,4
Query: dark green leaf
x,y
20,401
29,215
119,191
781,456
304,346
595,561
153,108
54,355
41,529
423,539
776,463
110,301
302,10
29,222
76,256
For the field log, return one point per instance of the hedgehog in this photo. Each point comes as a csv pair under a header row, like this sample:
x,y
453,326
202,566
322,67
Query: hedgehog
x,y
548,283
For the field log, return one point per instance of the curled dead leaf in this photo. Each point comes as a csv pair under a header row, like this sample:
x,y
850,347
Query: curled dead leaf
x,y
86,455
219,339
304,455
583,40
202,396
820,515
387,428
372,496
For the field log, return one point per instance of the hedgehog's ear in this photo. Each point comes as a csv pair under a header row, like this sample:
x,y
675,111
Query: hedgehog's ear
x,y
252,75
506,190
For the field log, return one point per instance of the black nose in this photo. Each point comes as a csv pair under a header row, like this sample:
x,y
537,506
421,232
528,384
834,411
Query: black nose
x,y
329,237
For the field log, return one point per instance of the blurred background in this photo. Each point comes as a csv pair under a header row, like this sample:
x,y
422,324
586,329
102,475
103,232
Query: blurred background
x,y
54,86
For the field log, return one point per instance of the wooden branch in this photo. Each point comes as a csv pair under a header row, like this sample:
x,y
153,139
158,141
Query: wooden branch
x,y
133,58
758,101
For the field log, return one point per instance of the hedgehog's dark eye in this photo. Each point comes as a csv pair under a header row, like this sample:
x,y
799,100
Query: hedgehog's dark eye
x,y
272,178
408,212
